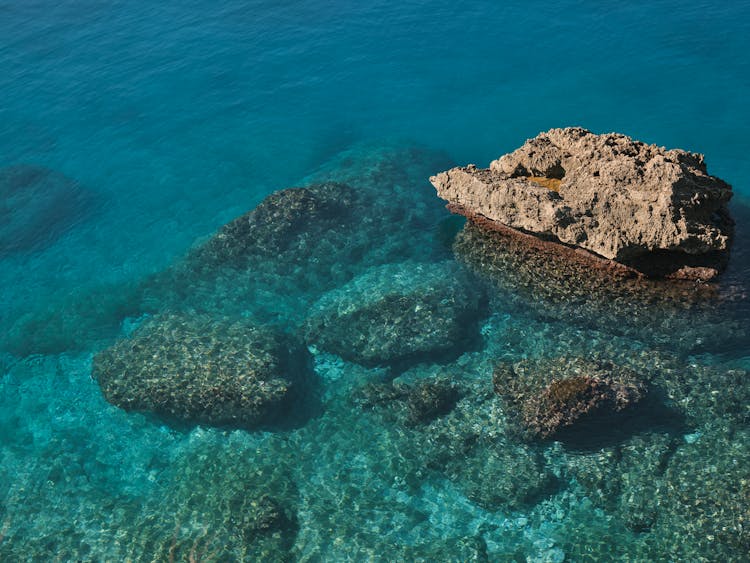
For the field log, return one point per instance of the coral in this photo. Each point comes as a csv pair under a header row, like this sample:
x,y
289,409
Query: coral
x,y
397,312
198,369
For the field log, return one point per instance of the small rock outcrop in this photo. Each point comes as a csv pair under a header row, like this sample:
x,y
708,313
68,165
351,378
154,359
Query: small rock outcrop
x,y
396,312
545,397
192,368
657,211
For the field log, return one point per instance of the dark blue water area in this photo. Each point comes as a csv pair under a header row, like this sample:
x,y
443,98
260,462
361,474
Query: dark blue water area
x,y
131,131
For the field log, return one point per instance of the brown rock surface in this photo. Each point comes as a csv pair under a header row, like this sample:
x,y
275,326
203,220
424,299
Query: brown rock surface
x,y
546,396
653,209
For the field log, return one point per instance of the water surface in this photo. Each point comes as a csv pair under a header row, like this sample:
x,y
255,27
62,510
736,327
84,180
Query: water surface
x,y
173,119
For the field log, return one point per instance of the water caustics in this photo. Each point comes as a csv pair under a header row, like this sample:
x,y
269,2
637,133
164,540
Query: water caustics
x,y
238,324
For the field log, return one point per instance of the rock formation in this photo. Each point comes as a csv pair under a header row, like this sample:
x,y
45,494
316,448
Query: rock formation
x,y
287,222
654,210
547,396
396,312
193,368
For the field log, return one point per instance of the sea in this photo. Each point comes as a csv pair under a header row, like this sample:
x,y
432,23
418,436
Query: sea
x,y
131,132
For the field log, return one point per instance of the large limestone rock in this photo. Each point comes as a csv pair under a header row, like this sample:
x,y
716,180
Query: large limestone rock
x,y
653,209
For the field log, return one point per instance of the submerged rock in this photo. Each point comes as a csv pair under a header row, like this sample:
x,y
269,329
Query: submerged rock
x,y
625,478
503,475
362,209
449,425
705,498
655,210
553,282
197,369
547,396
396,312
419,403
287,222
37,205
225,498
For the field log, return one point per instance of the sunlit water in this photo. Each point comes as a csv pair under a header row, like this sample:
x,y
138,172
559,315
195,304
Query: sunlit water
x,y
133,131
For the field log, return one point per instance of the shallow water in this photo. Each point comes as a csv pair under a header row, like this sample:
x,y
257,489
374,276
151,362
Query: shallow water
x,y
164,122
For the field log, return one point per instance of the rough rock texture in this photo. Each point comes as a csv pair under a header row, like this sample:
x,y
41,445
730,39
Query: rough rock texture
x,y
553,281
197,369
419,403
395,312
36,206
450,427
287,221
656,210
547,396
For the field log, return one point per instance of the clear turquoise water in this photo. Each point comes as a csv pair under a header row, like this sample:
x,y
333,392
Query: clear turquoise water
x,y
179,116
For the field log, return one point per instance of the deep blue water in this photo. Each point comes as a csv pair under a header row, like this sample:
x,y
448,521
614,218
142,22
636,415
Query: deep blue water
x,y
175,117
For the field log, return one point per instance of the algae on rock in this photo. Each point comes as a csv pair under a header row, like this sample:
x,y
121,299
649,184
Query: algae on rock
x,y
545,397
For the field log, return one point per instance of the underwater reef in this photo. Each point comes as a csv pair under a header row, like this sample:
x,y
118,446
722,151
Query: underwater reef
x,y
654,210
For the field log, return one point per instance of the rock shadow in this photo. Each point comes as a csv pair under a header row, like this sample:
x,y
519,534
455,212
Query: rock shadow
x,y
602,430
37,206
